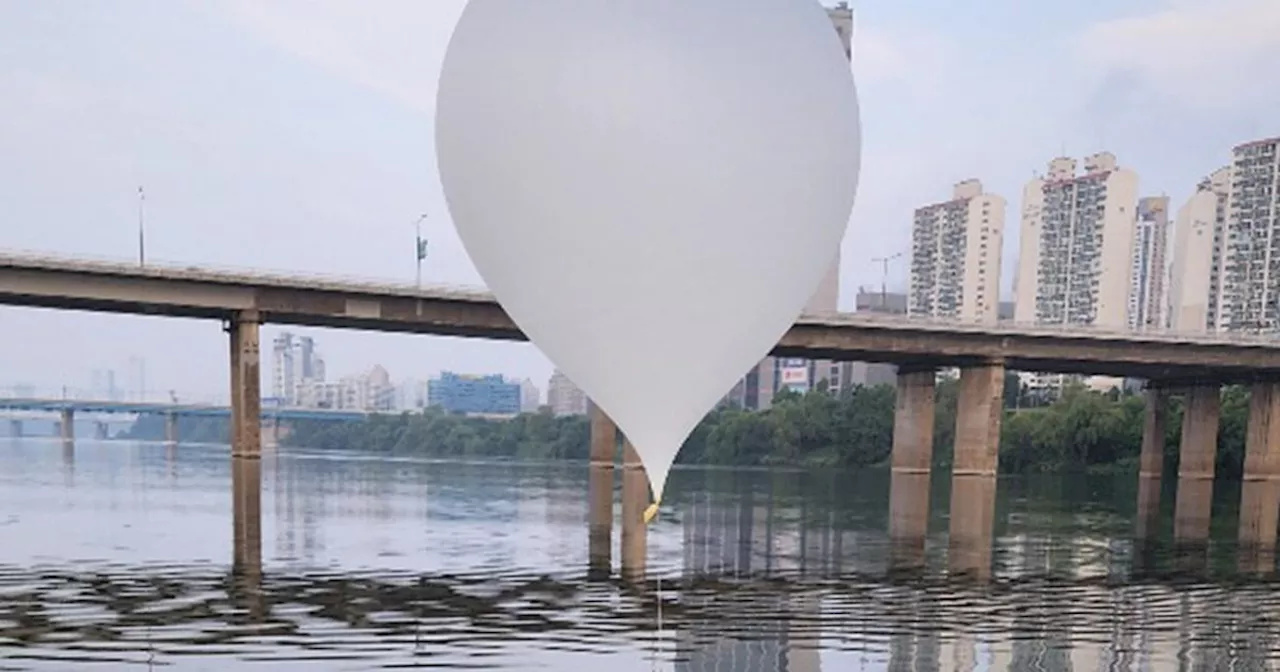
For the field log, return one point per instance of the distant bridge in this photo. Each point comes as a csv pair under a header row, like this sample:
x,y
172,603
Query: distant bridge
x,y
77,406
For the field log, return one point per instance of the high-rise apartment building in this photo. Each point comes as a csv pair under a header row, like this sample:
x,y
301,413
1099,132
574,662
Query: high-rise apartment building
x,y
955,256
1251,267
1077,244
1148,272
564,397
755,390
1199,246
1227,251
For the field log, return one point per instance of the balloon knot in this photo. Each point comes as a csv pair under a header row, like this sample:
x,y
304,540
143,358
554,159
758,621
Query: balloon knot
x,y
651,512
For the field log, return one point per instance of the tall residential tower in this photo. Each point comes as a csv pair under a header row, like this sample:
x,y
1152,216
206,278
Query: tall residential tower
x,y
955,256
1251,269
1199,245
1148,272
1077,244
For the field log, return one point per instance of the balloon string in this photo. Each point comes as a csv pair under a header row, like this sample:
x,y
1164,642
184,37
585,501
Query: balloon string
x,y
649,515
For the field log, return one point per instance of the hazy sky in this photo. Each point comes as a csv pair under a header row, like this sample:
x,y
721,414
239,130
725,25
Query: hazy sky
x,y
296,135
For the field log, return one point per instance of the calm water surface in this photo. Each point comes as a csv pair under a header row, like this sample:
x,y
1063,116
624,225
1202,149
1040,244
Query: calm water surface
x,y
115,555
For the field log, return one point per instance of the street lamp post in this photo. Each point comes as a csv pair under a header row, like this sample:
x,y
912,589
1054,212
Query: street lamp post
x,y
142,254
420,249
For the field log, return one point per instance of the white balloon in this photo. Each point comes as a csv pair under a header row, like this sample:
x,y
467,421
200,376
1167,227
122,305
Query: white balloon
x,y
652,189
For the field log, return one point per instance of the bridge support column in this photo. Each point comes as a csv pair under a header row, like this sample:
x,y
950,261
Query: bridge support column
x,y
912,459
604,452
979,411
1260,493
101,431
635,499
171,429
67,425
1197,454
15,429
1151,462
246,393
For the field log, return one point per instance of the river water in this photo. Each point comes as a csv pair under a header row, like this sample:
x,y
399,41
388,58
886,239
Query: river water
x,y
122,555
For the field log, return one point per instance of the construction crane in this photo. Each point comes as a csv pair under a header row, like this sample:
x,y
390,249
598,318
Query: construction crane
x,y
884,278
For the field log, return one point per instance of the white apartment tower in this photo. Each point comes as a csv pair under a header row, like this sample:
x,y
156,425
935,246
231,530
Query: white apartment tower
x,y
1251,268
1199,246
955,256
1077,244
756,389
1148,272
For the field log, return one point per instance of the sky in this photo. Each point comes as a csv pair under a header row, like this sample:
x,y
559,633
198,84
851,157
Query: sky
x,y
296,135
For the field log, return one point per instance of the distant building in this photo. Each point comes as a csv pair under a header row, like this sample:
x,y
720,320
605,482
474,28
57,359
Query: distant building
x,y
889,303
564,397
1006,310
371,391
1200,237
955,256
295,364
1250,292
1077,242
1148,293
474,395
530,396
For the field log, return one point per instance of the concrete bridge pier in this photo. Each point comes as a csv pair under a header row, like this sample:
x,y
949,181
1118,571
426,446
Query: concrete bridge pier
x,y
15,429
246,400
171,429
67,425
101,431
246,517
1197,455
600,488
912,460
635,499
1260,492
1151,461
979,411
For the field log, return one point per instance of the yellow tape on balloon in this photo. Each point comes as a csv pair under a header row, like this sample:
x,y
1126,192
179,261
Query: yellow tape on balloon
x,y
651,512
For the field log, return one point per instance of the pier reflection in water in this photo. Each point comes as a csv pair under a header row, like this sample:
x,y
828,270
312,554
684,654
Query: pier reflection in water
x,y
119,553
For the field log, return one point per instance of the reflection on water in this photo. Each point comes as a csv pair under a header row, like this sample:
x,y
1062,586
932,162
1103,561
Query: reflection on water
x,y
151,554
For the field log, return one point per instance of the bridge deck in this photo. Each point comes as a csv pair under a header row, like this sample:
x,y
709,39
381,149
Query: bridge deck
x,y
191,292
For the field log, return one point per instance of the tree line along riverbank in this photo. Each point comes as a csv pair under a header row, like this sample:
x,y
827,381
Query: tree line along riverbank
x,y
1082,430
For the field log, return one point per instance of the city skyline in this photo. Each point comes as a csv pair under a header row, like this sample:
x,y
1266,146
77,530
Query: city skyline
x,y
299,138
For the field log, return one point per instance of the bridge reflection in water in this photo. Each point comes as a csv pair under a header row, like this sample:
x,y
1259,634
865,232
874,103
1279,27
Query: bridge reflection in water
x,y
395,562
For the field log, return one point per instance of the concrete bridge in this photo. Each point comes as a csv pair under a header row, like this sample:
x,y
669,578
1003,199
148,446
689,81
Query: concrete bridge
x,y
1192,364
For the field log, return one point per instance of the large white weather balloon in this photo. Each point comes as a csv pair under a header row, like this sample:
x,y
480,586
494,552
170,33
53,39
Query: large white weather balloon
x,y
652,189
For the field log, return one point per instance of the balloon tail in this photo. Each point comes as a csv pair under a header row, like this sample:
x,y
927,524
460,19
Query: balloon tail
x,y
651,512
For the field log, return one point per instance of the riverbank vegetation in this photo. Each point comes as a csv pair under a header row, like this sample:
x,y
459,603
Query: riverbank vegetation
x,y
1082,430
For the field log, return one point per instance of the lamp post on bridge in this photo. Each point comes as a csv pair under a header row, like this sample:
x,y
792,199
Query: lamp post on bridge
x,y
142,250
419,249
